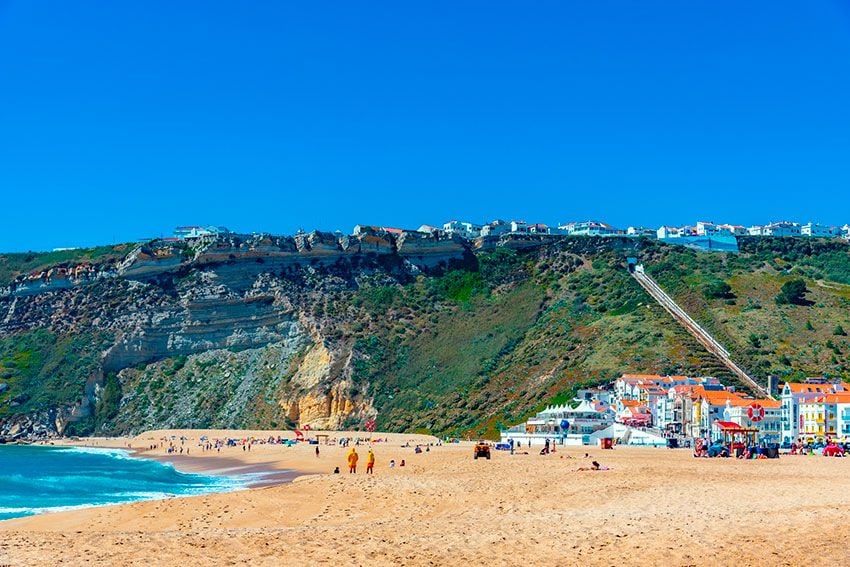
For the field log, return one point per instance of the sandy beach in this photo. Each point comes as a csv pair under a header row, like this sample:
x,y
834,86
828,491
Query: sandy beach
x,y
654,507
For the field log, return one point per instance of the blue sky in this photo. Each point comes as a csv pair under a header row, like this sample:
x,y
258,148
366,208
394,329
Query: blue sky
x,y
121,120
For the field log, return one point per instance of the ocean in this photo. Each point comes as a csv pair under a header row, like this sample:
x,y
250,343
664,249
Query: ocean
x,y
36,479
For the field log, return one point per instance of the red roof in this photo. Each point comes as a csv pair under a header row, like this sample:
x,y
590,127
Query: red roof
x,y
727,425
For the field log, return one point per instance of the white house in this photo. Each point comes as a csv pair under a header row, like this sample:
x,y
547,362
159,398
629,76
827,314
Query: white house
x,y
732,229
707,229
668,232
519,227
538,228
189,232
817,230
591,228
495,228
428,229
755,230
842,409
597,394
783,228
463,229
640,231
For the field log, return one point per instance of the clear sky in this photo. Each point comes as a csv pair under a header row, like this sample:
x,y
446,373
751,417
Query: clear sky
x,y
120,120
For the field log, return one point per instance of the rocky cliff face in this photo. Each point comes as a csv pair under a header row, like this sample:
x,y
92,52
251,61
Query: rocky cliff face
x,y
227,332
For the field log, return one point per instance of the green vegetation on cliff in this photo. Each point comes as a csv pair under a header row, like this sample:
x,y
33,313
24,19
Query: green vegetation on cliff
x,y
13,265
460,349
792,339
42,370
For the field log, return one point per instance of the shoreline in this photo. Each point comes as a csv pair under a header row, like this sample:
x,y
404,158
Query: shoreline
x,y
246,476
268,465
649,507
267,472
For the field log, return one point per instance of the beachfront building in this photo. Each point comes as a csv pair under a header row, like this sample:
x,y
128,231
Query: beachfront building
x,y
581,423
818,419
825,418
842,409
794,395
674,412
769,427
635,414
714,405
464,229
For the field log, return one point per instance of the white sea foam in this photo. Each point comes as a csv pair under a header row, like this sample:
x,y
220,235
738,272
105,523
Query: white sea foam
x,y
106,451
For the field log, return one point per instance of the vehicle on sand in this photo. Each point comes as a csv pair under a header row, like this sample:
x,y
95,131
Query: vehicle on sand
x,y
482,449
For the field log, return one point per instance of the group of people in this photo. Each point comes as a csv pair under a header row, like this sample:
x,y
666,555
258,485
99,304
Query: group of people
x,y
353,457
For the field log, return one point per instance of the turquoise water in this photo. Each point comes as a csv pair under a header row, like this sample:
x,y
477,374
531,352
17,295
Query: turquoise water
x,y
45,479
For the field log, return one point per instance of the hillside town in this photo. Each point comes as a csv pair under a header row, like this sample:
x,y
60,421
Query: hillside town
x,y
471,231
650,409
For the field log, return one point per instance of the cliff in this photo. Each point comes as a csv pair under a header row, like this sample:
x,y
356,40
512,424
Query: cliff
x,y
422,334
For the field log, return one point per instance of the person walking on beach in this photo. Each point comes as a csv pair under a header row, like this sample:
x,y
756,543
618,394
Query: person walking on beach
x,y
352,461
317,451
370,462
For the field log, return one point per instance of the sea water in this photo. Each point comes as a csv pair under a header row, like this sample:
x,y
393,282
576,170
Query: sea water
x,y
36,479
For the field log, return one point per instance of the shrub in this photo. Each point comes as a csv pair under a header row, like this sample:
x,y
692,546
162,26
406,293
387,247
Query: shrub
x,y
717,289
793,292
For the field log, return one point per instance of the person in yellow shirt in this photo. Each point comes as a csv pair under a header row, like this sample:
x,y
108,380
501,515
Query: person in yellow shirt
x,y
370,462
352,461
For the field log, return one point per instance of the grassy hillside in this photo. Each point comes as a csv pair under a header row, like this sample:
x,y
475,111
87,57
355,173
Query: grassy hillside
x,y
792,341
42,370
475,349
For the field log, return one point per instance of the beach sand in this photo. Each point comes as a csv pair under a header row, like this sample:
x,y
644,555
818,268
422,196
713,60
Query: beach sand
x,y
655,507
